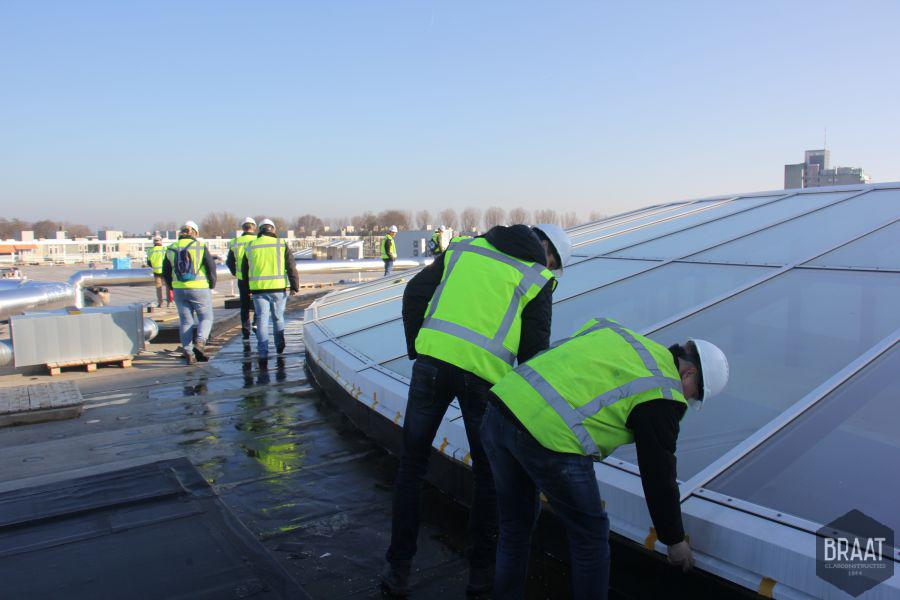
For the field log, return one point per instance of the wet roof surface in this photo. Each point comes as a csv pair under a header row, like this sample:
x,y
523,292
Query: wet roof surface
x,y
314,490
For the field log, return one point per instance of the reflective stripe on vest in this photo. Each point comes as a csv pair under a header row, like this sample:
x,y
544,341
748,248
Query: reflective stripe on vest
x,y
155,256
532,275
199,282
259,281
574,417
238,247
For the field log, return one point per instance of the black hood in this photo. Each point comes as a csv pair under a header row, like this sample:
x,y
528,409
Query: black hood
x,y
519,241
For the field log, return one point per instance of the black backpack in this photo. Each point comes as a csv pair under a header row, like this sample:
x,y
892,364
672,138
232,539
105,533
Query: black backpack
x,y
184,267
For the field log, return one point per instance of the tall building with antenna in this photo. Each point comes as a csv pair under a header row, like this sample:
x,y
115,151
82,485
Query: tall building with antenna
x,y
816,171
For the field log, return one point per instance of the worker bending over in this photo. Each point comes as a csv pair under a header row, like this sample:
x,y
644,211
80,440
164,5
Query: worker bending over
x,y
269,269
551,417
389,250
190,271
155,256
235,259
467,317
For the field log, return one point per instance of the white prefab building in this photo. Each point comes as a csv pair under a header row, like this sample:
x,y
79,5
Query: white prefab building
x,y
800,288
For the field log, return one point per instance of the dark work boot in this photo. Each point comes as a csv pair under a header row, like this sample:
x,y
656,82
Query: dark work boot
x,y
189,357
481,582
279,348
263,364
200,350
395,580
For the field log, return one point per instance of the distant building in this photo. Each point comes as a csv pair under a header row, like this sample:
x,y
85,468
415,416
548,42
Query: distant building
x,y
815,171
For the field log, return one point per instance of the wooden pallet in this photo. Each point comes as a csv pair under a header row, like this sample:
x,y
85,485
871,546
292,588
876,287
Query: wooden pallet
x,y
90,365
39,402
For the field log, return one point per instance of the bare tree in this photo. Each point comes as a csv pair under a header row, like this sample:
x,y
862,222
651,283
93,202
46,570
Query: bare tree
x,y
546,215
45,228
448,218
165,226
596,215
393,216
423,219
281,224
309,224
76,230
519,215
11,228
494,216
364,223
470,218
570,219
221,224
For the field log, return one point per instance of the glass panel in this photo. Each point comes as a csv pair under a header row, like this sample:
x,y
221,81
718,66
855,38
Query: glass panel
x,y
360,300
628,238
593,230
369,287
645,299
378,343
878,250
401,365
782,338
842,450
589,274
704,236
815,232
364,317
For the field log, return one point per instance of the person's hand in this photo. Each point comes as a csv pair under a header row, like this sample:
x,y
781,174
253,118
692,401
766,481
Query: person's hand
x,y
681,556
293,292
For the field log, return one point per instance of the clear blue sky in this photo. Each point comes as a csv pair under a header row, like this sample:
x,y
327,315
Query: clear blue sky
x,y
126,113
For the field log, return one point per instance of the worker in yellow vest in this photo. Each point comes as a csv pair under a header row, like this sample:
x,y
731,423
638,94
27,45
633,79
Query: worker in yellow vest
x,y
190,271
269,269
155,255
468,317
389,250
551,417
235,259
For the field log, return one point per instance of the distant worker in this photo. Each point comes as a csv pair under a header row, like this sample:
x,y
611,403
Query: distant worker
x,y
234,261
389,250
548,420
155,256
190,271
435,244
467,317
269,269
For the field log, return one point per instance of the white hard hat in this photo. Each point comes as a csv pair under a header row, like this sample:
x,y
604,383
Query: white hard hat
x,y
443,228
393,229
191,225
265,222
714,366
560,241
248,221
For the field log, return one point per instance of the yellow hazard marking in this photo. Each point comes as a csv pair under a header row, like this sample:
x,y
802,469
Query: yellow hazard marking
x,y
397,418
766,586
650,542
467,459
443,445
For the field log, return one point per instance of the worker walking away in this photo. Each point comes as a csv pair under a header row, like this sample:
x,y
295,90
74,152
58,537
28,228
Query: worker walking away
x,y
389,250
236,248
269,269
551,417
467,317
155,256
190,271
434,245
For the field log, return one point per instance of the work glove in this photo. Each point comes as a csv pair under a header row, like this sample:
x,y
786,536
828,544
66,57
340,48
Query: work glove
x,y
681,556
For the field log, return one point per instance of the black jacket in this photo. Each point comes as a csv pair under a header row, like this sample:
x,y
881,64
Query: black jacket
x,y
208,261
290,266
517,240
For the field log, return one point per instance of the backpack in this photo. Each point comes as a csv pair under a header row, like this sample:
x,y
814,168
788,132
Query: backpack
x,y
184,264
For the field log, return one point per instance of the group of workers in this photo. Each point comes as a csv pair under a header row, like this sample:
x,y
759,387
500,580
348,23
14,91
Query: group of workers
x,y
263,265
536,416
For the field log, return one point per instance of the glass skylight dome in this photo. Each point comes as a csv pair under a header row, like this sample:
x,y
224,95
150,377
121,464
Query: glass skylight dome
x,y
800,288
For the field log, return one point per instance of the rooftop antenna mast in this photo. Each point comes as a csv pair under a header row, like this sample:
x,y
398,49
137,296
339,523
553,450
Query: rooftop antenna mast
x,y
825,144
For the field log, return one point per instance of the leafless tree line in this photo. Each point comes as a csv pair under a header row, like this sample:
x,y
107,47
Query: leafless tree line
x,y
45,228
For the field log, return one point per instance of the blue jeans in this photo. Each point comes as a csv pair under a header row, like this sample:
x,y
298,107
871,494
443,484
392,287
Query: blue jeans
x,y
434,385
194,309
265,303
522,468
388,266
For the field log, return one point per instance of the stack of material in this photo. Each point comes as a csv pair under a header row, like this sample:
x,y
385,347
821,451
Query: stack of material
x,y
39,402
